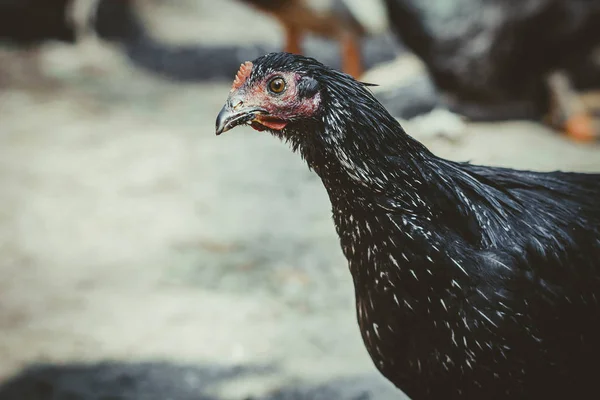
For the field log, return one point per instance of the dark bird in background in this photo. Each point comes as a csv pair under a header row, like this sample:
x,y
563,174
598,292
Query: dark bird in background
x,y
471,281
501,59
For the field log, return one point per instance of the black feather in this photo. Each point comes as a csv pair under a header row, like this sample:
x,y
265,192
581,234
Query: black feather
x,y
471,281
369,84
308,87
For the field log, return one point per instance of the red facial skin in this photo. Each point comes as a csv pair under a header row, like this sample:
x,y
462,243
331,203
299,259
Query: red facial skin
x,y
281,107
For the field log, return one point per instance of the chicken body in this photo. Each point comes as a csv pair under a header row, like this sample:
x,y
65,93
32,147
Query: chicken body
x,y
470,281
477,283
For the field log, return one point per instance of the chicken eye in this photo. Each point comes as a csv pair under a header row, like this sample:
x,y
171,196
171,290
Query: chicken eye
x,y
277,85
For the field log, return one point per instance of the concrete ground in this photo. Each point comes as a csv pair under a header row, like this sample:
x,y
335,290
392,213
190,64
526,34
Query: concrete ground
x,y
199,267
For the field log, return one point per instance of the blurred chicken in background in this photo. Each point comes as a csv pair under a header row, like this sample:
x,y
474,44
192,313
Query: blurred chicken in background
x,y
508,59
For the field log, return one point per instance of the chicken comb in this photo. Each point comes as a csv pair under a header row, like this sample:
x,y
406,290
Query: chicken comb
x,y
242,75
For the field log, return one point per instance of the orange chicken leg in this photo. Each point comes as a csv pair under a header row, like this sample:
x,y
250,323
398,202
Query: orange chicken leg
x,y
568,112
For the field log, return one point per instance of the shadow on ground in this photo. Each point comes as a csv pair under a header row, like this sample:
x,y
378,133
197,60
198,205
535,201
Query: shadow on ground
x,y
162,380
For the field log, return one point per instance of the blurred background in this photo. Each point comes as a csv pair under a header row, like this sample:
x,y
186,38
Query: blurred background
x,y
142,257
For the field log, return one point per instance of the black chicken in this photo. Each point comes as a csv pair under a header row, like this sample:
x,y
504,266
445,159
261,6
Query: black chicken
x,y
471,281
495,57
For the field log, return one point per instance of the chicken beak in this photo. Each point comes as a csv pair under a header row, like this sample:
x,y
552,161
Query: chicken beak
x,y
230,117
